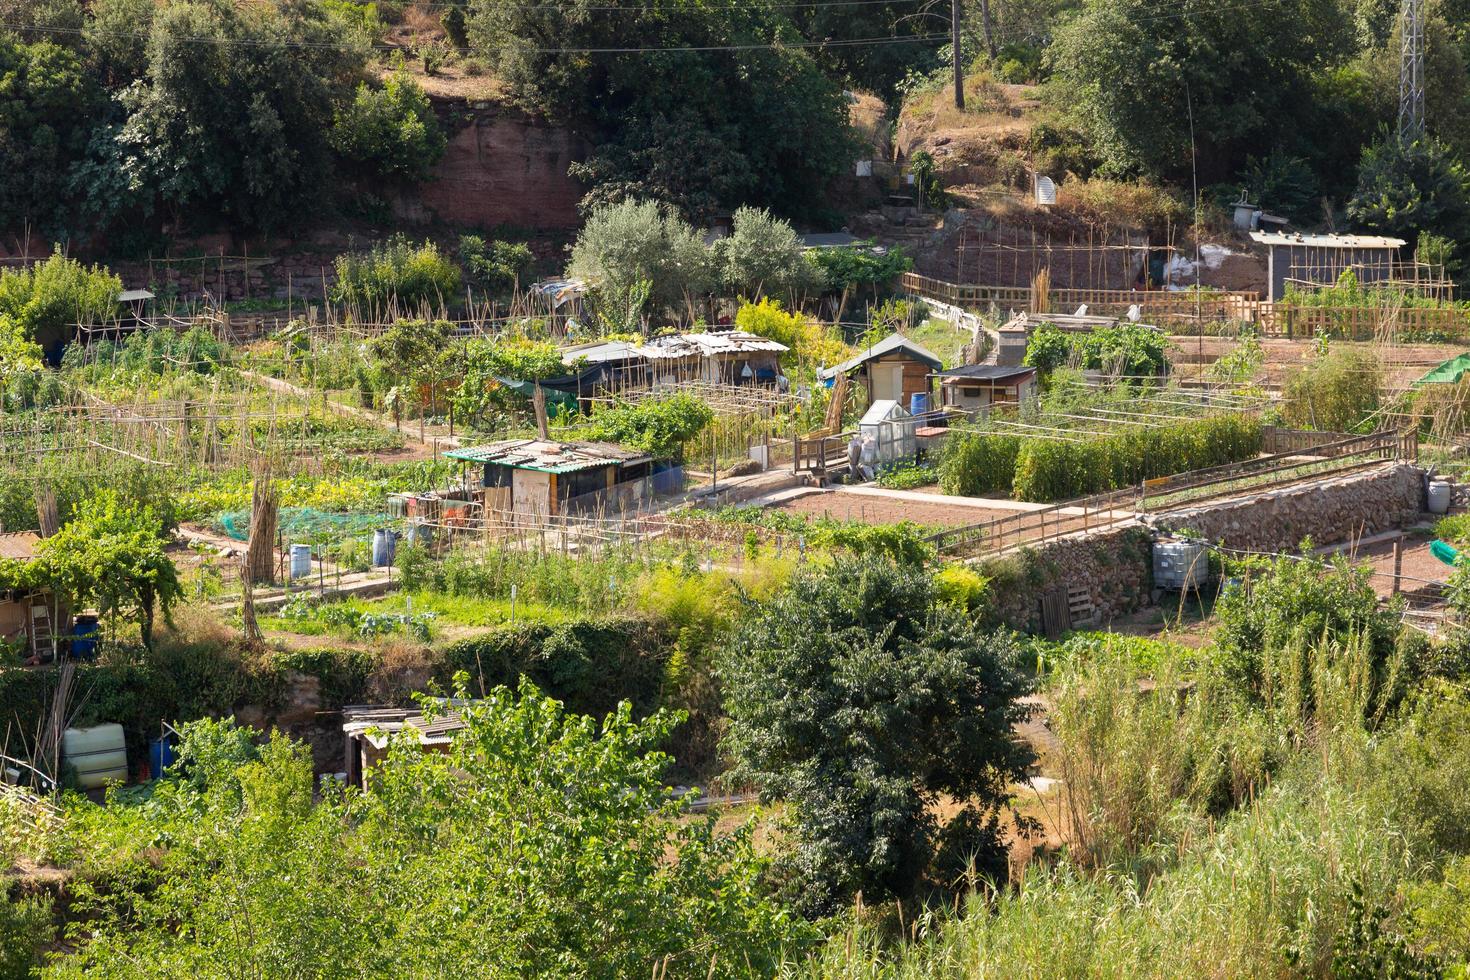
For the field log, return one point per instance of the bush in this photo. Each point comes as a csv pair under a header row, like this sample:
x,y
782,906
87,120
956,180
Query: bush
x,y
1335,393
48,299
859,698
495,266
396,274
389,132
978,464
810,343
25,927
659,428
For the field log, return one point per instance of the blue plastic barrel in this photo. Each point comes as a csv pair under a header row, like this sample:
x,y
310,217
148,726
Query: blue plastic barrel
x,y
919,403
160,755
300,561
385,542
84,638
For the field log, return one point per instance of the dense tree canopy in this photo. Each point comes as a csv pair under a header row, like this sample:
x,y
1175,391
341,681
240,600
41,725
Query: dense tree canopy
x,y
860,698
1141,81
736,122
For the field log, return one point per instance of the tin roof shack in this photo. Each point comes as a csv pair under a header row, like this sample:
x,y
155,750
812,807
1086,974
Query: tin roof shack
x,y
894,369
730,357
25,615
368,729
1016,332
979,387
532,479
1307,261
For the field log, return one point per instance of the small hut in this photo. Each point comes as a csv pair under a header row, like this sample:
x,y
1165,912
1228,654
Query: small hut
x,y
535,478
894,369
980,387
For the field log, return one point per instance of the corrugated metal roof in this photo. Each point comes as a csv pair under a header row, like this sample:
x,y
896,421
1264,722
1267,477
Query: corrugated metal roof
x,y
986,372
600,352
1325,241
893,342
548,457
708,344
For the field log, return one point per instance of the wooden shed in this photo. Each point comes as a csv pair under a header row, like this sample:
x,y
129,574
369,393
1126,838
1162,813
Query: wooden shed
x,y
894,369
980,387
25,615
532,479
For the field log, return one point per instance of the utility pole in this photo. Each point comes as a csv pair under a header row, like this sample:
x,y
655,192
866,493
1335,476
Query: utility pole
x,y
1411,73
959,61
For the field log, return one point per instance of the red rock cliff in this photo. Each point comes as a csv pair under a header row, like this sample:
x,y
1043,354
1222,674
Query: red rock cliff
x,y
505,167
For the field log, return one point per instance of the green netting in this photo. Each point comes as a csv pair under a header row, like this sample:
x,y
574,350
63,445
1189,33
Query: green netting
x,y
303,523
1450,372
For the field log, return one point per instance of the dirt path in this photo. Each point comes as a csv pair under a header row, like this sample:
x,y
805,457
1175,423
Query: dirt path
x,y
434,436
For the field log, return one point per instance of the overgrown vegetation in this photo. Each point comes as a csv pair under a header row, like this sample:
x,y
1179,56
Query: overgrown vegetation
x,y
978,463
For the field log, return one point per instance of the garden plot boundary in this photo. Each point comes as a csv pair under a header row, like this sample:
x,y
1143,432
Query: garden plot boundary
x,y
1296,464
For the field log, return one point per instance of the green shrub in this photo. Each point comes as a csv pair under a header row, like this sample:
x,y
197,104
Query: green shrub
x,y
590,665
396,273
25,927
389,132
1335,393
977,464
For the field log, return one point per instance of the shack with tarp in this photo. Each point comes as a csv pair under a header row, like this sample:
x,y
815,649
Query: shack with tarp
x,y
532,479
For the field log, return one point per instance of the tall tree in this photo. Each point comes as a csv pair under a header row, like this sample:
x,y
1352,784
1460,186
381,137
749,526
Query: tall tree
x,y
1142,80
697,105
860,699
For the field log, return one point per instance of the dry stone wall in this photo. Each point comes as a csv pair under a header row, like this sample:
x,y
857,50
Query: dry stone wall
x,y
1329,511
1114,568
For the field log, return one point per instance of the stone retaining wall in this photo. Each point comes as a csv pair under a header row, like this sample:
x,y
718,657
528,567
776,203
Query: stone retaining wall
x,y
1115,567
1353,506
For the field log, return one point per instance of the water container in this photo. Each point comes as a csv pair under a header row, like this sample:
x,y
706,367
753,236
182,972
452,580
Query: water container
x,y
1180,565
1439,497
919,404
385,542
300,561
99,755
160,755
84,638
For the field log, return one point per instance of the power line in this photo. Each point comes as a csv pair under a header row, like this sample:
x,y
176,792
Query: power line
x,y
474,49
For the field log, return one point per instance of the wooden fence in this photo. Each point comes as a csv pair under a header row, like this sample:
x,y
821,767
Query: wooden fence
x,y
1363,322
1152,304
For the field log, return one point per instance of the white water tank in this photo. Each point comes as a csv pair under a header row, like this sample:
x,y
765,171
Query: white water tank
x,y
98,754
1181,565
1439,497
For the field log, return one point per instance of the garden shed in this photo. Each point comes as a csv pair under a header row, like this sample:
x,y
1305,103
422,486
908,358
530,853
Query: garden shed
x,y
894,369
532,479
979,387
25,614
730,357
1308,261
887,432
